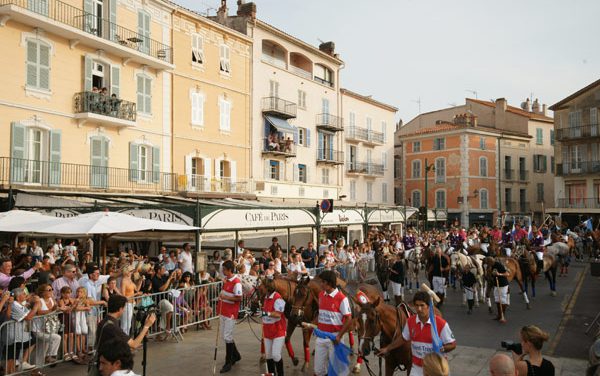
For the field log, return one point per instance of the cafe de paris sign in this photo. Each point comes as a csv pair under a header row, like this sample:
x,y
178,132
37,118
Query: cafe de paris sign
x,y
236,219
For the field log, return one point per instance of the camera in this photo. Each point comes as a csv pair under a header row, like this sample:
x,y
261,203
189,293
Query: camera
x,y
512,346
142,312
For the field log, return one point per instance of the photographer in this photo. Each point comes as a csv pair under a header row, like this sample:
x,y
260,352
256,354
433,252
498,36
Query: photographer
x,y
116,359
532,339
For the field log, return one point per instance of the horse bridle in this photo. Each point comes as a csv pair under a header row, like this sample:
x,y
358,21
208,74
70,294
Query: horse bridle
x,y
300,309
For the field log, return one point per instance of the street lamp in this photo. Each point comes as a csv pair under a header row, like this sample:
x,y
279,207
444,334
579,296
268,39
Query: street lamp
x,y
428,167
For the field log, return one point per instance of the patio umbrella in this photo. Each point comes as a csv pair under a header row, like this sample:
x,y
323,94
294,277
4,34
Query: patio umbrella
x,y
22,220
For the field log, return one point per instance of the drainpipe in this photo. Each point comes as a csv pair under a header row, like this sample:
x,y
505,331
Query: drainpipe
x,y
176,183
340,116
250,149
499,181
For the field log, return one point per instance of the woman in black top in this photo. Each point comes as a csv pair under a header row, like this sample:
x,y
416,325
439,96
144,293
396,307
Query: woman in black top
x,y
532,339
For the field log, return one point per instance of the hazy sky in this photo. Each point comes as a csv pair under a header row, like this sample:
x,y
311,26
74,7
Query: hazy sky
x,y
436,50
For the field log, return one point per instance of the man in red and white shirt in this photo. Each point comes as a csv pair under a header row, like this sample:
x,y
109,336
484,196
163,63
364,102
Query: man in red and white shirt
x,y
334,317
274,325
228,308
417,330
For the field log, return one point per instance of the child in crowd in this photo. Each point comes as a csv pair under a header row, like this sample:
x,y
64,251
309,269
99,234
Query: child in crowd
x,y
66,305
82,307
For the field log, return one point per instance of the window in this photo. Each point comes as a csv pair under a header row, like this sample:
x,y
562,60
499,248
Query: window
x,y
384,192
302,99
38,64
144,94
594,116
301,136
416,146
539,163
324,176
540,192
552,137
352,120
369,122
31,148
144,31
225,115
482,143
575,119
197,109
274,170
397,169
274,89
323,75
197,49
99,162
539,136
416,169
440,170
439,144
483,166
416,199
144,163
224,64
353,190
483,199
440,199
384,130
369,191
384,159
302,173
552,164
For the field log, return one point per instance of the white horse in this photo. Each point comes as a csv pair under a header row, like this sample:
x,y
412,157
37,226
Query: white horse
x,y
475,265
413,266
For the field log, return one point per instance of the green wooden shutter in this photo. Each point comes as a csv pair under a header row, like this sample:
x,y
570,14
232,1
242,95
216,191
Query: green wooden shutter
x,y
144,31
54,177
97,168
112,17
148,95
32,63
155,165
18,151
44,67
87,78
140,94
115,78
88,8
133,162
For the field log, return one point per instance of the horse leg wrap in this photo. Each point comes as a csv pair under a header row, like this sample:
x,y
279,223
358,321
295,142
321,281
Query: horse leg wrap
x,y
306,354
525,297
359,360
290,349
351,339
262,346
471,302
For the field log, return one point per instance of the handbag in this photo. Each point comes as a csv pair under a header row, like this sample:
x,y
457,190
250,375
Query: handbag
x,y
93,369
52,325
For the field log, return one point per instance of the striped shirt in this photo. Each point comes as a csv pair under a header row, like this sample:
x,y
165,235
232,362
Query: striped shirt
x,y
333,309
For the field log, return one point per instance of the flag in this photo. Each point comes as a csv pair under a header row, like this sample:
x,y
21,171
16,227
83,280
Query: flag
x,y
589,225
339,363
513,231
436,341
530,233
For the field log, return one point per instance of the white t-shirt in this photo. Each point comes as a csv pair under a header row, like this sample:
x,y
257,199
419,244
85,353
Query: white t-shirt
x,y
37,252
297,267
185,262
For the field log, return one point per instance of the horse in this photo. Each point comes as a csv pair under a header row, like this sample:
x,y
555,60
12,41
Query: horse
x,y
382,268
427,254
553,257
413,265
461,262
514,272
528,264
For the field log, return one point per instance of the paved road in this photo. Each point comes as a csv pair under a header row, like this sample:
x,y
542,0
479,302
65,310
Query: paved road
x,y
478,336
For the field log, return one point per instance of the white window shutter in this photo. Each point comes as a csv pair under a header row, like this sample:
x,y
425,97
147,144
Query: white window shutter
x,y
55,148
18,152
194,98
32,63
296,172
140,93
267,170
112,17
44,66
87,79
115,80
207,173
133,162
155,165
148,94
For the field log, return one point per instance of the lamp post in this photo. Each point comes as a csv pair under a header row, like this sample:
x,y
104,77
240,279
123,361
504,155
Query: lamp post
x,y
428,168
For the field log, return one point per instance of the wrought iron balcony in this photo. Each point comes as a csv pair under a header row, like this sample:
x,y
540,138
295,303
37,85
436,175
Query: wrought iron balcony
x,y
579,203
578,168
511,206
79,26
279,107
524,207
575,133
330,122
323,81
369,169
104,109
523,175
330,156
279,147
509,174
516,175
365,135
201,183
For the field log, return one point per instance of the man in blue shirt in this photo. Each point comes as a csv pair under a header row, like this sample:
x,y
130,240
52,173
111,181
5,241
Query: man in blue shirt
x,y
309,255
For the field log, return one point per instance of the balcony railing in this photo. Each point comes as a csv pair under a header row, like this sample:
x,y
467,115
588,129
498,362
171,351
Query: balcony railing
x,y
579,203
523,175
279,147
524,207
97,103
201,183
279,107
77,18
273,61
579,168
323,81
513,175
372,169
330,122
511,206
573,133
364,134
330,156
509,174
301,72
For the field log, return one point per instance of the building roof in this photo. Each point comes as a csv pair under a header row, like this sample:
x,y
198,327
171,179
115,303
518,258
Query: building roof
x,y
516,110
444,126
368,99
559,105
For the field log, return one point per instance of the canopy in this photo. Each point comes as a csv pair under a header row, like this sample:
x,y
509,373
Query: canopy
x,y
100,223
20,220
281,124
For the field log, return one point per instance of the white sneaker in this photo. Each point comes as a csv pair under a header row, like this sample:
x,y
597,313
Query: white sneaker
x,y
26,366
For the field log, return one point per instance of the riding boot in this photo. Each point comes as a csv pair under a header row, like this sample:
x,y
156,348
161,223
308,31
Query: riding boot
x,y
441,296
398,299
271,366
470,302
227,365
235,354
279,365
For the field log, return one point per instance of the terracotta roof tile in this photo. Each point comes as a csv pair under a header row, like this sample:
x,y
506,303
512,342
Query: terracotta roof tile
x,y
515,110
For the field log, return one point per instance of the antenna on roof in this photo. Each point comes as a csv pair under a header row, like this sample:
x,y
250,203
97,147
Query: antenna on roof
x,y
419,102
474,92
320,41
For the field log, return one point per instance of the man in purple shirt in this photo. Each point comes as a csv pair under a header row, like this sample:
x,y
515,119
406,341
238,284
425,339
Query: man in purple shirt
x,y
6,269
68,279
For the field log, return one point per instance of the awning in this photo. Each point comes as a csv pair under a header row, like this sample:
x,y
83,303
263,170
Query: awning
x,y
281,124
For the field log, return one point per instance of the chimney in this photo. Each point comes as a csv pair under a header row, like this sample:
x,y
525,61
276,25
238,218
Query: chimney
x,y
536,106
500,113
246,9
222,13
328,48
526,106
544,109
501,104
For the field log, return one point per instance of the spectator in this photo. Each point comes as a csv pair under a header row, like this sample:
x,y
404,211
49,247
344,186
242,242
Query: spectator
x,y
58,247
21,337
163,255
435,365
81,307
532,340
297,266
36,251
255,271
130,290
274,246
68,279
6,270
171,262
270,271
502,365
309,256
66,304
265,259
51,254
110,289
185,259
204,307
116,359
46,329
93,284
161,282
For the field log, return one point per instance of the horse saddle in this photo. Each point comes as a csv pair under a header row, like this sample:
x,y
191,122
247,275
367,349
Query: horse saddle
x,y
408,311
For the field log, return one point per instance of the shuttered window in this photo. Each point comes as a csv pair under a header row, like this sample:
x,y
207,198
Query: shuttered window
x,y
197,109
144,163
197,49
483,166
384,188
440,170
144,94
144,31
440,199
38,64
224,65
225,115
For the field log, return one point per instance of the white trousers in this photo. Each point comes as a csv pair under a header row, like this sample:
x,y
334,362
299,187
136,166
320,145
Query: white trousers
x,y
273,348
439,285
92,324
227,325
501,295
323,350
126,318
396,288
416,371
469,293
47,345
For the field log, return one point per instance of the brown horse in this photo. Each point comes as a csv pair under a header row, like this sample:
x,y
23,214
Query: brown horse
x,y
528,263
514,272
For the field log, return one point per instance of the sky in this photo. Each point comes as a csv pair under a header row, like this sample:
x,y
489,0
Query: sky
x,y
442,51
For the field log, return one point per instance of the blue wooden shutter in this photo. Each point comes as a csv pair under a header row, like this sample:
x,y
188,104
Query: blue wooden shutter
x,y
18,151
54,177
307,137
88,19
155,165
133,162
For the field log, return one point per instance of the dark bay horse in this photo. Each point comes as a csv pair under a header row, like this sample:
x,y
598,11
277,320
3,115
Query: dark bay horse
x,y
514,272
